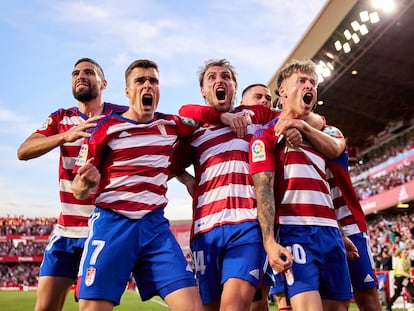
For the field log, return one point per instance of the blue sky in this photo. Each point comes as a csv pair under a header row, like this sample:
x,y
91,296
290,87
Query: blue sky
x,y
41,40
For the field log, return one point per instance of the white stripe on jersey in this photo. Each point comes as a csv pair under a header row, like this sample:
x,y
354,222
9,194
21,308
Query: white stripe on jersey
x,y
342,212
159,179
207,134
308,221
141,141
71,231
76,143
76,210
336,193
145,160
351,229
231,215
221,193
224,168
66,186
144,197
316,159
231,145
299,196
301,171
124,126
133,214
73,120
68,163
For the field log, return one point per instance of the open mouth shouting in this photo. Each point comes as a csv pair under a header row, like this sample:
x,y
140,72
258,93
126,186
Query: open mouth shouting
x,y
221,93
307,98
147,100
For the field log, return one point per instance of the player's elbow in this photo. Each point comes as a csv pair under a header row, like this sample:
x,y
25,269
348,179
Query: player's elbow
x,y
22,154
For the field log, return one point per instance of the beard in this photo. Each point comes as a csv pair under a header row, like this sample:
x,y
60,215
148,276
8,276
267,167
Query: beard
x,y
85,95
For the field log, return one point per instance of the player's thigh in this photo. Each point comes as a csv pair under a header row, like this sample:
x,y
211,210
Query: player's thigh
x,y
310,301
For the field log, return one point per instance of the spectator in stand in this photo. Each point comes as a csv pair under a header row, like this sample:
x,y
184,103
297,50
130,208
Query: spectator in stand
x,y
410,249
377,258
386,261
26,226
65,128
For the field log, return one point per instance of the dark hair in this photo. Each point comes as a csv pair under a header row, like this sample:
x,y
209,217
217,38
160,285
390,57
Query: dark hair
x,y
304,66
216,62
92,61
140,63
252,86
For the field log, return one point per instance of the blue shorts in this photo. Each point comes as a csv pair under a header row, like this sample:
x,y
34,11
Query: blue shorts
x,y
117,246
62,256
319,263
361,271
229,251
279,285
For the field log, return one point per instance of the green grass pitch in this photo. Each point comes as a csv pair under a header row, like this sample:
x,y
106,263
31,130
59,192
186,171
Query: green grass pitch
x,y
25,301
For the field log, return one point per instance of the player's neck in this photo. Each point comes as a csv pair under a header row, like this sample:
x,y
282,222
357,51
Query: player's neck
x,y
91,108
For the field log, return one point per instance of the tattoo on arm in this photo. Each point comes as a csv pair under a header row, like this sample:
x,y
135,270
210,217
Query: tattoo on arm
x,y
266,211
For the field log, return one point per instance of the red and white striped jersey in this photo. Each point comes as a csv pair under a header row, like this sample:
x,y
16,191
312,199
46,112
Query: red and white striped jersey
x,y
133,159
302,193
224,193
73,218
347,207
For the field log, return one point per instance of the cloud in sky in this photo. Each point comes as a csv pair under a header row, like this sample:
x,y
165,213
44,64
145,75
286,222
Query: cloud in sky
x,y
42,39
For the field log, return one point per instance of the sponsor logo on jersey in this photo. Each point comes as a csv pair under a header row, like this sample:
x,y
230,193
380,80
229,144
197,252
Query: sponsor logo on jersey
x,y
258,151
90,276
83,153
124,134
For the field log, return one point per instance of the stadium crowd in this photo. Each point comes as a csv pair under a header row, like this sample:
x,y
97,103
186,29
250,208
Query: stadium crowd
x,y
399,149
14,274
21,225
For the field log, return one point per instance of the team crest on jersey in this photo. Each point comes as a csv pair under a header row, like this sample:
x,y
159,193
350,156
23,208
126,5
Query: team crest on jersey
x,y
90,276
46,124
258,151
83,154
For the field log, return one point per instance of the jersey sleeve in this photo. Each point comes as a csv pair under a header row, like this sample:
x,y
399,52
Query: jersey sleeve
x,y
50,126
262,114
185,126
262,151
201,113
182,156
333,131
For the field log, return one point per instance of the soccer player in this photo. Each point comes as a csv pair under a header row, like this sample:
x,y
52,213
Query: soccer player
x,y
353,223
127,159
293,193
65,128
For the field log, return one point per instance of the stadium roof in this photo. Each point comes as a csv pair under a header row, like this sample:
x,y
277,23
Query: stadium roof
x,y
369,92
